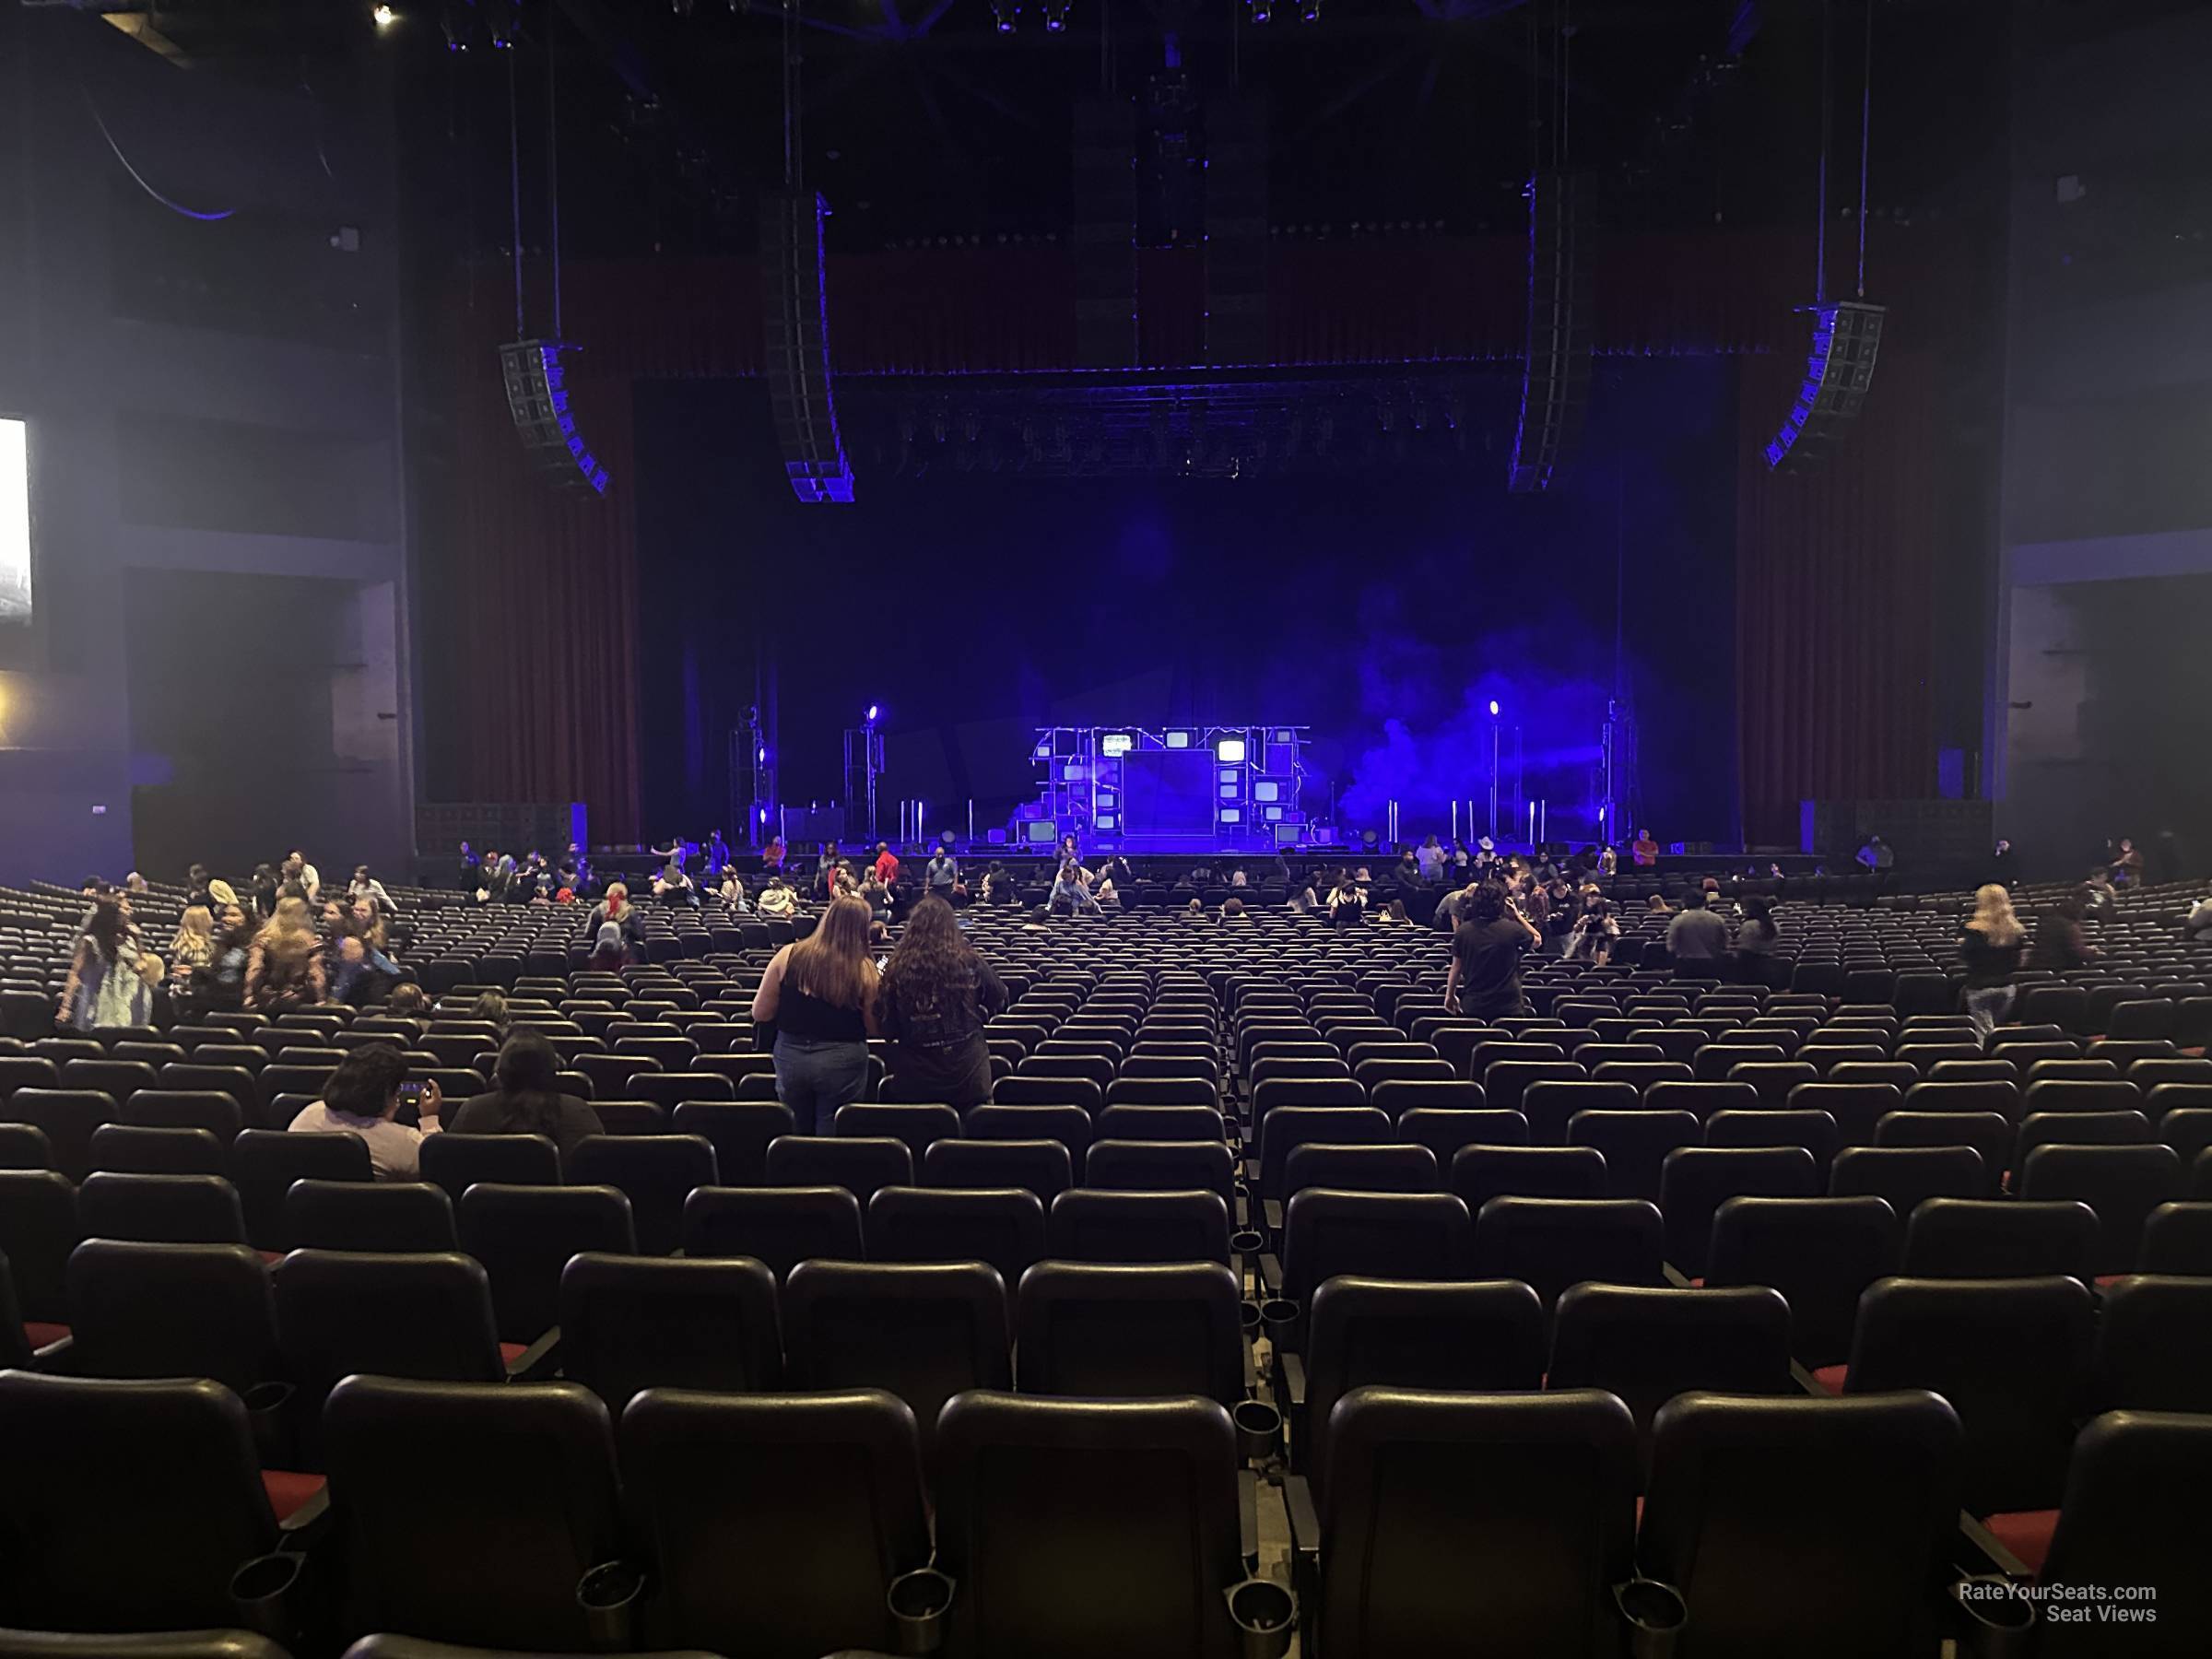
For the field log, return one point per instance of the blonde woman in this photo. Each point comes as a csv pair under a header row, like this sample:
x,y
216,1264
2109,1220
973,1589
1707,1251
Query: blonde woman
x,y
1989,945
820,995
193,945
284,970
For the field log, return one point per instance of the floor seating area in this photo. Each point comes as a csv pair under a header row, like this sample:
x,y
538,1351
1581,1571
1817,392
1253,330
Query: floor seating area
x,y
1265,1304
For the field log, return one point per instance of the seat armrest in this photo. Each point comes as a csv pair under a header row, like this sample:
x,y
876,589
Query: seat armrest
x,y
1994,1558
1248,1518
1291,1381
54,1357
300,1529
1271,1215
1305,1546
537,1363
1270,1275
1676,1279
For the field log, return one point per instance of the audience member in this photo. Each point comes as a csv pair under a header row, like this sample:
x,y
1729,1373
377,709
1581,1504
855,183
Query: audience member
x,y
2127,864
819,994
284,971
1347,903
365,886
1755,940
409,1001
2059,943
490,1008
617,909
1645,851
942,875
778,902
264,887
103,987
886,863
733,890
525,1098
191,946
1070,896
1430,860
1484,979
998,887
471,875
1697,935
771,856
1989,945
363,1097
1593,932
936,996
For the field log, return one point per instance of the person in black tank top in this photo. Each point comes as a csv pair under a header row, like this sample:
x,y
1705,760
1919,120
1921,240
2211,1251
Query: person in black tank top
x,y
819,995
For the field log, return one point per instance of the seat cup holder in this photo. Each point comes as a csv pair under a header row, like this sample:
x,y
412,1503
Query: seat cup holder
x,y
610,1595
1278,1318
1655,1614
1248,1319
920,1602
265,1592
266,1406
1247,1242
1265,1615
1259,1430
1998,1622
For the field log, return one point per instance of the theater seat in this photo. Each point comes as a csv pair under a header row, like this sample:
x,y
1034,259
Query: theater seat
x,y
468,1511
523,1236
1105,1226
142,1310
1089,1530
1128,1331
129,1505
632,1322
158,1644
1817,1528
819,1496
1510,1515
2133,1515
779,1227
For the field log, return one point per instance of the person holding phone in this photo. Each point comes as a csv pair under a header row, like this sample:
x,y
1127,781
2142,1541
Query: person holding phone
x,y
363,1096
1486,949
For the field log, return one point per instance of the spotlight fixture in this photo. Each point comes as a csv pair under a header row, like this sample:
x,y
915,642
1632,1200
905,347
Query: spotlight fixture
x,y
1493,708
383,17
1055,16
872,711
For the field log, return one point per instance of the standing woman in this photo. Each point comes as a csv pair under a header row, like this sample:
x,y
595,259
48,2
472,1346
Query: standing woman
x,y
284,970
103,987
819,995
936,993
1990,947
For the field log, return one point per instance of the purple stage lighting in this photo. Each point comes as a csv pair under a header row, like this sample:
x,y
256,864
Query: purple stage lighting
x,y
1493,708
871,712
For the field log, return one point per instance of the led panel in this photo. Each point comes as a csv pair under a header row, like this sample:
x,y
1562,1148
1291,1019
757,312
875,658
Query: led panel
x,y
1179,740
1267,789
1114,744
1232,815
1230,748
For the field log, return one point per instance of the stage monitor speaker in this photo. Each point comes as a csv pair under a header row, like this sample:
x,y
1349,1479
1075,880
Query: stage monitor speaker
x,y
797,339
1847,335
537,398
1555,373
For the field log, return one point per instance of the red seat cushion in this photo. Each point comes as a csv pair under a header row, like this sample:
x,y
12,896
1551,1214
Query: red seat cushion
x,y
2027,1533
511,1351
271,1256
288,1489
38,1333
1831,1377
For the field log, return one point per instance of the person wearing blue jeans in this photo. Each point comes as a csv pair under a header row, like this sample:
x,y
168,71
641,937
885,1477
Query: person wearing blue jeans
x,y
819,995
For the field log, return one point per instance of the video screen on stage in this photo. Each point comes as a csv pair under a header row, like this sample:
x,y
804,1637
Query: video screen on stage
x,y
1168,792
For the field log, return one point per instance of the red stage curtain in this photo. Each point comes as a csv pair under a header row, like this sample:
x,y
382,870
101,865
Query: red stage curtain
x,y
543,695
1835,629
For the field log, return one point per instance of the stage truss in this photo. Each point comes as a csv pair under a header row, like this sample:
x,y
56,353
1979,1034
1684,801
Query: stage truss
x,y
1199,786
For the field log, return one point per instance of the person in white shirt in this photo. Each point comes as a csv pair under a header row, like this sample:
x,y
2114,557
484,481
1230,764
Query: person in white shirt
x,y
363,1097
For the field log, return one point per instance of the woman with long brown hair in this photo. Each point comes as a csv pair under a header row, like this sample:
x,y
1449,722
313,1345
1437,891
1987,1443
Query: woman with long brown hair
x,y
936,993
284,970
821,994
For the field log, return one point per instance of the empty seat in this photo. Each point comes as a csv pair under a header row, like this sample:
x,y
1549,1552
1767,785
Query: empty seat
x,y
655,1171
1123,1331
471,1513
1635,1145
1001,1226
523,1236
1161,1166
1697,1181
2011,1355
2153,1344
1727,1520
1648,1343
862,1165
361,1214
1553,1244
129,1149
1511,1515
819,1495
780,1226
171,1311
2123,1184
161,1209
456,1162
918,1126
1042,1167
1905,1175
159,1475
925,1332
1480,1174
1820,1253
2134,1487
2177,1239
1088,1531
1101,1225
1477,1335
633,1323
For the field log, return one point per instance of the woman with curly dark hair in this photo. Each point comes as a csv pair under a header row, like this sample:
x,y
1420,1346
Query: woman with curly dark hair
x,y
935,995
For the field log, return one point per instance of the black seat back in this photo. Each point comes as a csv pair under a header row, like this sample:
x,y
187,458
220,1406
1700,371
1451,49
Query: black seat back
x,y
394,1216
171,1311
780,1226
130,1503
630,1323
1513,1513
656,1171
265,1164
1852,1574
1089,1531
819,1495
1001,1226
457,1162
160,1209
1166,1328
1090,1224
471,1512
1553,1244
524,1236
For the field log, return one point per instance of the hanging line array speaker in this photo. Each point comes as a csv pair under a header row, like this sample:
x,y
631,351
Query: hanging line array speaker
x,y
538,398
1847,333
797,338
1555,375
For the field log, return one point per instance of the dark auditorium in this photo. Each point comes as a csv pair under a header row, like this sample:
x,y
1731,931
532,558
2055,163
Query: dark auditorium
x,y
1105,828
